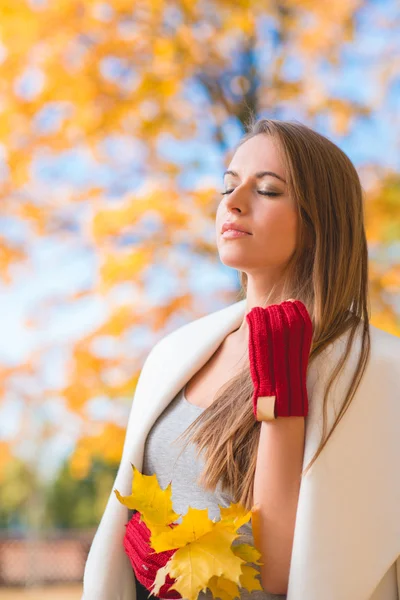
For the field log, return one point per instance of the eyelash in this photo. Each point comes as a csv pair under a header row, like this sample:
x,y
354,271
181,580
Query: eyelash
x,y
262,193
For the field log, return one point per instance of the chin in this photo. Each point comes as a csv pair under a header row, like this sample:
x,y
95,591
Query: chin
x,y
236,260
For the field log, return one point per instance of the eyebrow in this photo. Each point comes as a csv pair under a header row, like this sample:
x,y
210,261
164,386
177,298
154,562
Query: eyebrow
x,y
257,175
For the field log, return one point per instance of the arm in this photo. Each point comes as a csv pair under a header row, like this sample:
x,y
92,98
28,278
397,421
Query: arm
x,y
276,492
279,346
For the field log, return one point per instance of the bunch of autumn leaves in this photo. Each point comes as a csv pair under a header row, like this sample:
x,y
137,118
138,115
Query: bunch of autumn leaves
x,y
204,556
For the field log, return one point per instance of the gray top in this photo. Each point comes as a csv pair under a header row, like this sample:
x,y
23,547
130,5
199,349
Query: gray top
x,y
161,457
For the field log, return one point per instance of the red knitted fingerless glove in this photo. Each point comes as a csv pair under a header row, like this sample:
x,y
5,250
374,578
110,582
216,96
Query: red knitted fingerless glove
x,y
280,338
144,560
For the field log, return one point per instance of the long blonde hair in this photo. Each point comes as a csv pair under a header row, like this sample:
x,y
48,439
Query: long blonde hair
x,y
328,272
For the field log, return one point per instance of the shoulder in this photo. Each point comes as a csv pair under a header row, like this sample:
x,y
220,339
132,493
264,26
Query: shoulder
x,y
385,347
382,364
377,390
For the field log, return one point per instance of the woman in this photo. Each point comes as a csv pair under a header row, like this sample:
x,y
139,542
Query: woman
x,y
328,482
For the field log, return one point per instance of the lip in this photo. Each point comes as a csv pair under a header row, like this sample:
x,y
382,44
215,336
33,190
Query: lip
x,y
231,234
231,225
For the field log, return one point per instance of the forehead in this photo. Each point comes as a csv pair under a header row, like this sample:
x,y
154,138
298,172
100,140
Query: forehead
x,y
259,153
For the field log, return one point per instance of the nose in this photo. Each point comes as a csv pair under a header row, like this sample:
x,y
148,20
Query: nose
x,y
238,199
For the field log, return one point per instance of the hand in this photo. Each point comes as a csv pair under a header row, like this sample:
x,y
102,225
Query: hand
x,y
280,338
144,560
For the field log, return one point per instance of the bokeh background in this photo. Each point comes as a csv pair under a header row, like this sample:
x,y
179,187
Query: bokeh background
x,y
116,121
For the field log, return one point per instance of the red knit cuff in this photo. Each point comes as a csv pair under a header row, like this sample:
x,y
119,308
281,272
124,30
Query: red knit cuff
x,y
145,561
279,345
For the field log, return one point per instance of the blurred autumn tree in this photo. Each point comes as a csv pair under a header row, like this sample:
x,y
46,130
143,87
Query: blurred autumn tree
x,y
17,482
73,503
95,88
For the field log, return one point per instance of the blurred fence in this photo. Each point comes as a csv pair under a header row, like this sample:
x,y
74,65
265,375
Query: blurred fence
x,y
53,557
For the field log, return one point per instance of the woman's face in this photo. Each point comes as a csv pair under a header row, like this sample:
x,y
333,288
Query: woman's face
x,y
271,220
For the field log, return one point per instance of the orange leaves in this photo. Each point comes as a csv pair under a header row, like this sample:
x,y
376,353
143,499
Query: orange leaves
x,y
108,444
67,44
382,213
84,382
319,26
77,394
9,256
6,457
28,211
391,279
121,319
154,504
159,315
204,555
383,210
386,319
109,222
125,265
79,463
91,375
243,21
164,50
19,27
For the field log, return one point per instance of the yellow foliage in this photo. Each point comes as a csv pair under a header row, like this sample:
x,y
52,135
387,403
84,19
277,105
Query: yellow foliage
x,y
9,256
387,320
65,43
150,500
242,20
225,588
79,464
195,563
382,211
204,556
5,458
108,444
77,394
124,266
391,278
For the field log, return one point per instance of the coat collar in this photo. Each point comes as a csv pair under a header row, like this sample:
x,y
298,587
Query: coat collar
x,y
347,531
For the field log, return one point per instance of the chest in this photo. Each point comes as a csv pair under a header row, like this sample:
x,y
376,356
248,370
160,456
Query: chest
x,y
203,386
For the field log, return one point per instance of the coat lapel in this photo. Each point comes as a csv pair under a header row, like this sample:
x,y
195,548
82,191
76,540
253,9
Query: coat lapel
x,y
347,530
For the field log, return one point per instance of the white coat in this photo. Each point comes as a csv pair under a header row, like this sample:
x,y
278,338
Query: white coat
x,y
347,532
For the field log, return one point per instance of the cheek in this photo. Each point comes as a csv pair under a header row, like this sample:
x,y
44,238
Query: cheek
x,y
218,217
277,229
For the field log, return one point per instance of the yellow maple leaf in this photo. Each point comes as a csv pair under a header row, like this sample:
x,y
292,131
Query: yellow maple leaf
x,y
223,588
234,515
226,589
195,524
154,504
248,579
204,556
194,564
249,554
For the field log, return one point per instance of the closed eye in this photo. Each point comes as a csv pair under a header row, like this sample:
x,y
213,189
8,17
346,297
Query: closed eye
x,y
259,191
